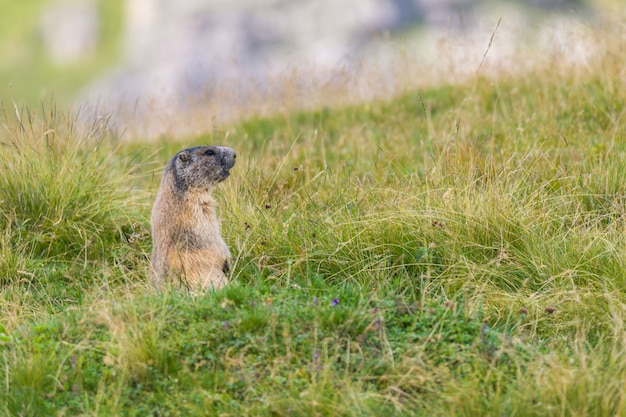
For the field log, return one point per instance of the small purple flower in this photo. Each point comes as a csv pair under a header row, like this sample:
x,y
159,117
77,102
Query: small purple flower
x,y
335,302
315,300
316,356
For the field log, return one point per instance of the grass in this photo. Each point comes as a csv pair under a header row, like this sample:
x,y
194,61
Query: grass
x,y
455,251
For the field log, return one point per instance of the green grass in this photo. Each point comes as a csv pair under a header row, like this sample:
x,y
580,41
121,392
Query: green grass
x,y
456,251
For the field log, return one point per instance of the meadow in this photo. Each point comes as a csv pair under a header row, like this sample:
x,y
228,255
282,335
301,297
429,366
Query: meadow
x,y
456,251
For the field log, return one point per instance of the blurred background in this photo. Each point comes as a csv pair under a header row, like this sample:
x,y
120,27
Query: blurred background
x,y
177,67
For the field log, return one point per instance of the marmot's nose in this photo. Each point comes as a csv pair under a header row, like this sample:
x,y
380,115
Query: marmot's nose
x,y
229,158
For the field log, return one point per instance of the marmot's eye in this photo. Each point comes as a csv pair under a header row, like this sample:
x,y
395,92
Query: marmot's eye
x,y
209,152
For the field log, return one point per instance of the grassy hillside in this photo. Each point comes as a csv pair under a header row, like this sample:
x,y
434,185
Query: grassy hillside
x,y
456,251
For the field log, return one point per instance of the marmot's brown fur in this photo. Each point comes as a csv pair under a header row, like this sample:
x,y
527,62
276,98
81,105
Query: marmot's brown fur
x,y
188,250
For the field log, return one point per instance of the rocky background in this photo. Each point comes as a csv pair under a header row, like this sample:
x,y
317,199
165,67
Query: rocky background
x,y
220,58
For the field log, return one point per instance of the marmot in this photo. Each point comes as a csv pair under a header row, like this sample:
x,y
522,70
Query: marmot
x,y
188,250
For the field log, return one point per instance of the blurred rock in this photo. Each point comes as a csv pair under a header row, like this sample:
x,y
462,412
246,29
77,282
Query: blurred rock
x,y
181,55
69,30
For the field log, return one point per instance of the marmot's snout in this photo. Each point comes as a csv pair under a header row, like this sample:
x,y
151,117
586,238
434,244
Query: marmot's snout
x,y
228,157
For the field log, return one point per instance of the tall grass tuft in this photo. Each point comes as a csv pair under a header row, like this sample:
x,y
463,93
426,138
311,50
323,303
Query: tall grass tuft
x,y
63,192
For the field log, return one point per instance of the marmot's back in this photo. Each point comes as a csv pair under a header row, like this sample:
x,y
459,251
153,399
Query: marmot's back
x,y
188,249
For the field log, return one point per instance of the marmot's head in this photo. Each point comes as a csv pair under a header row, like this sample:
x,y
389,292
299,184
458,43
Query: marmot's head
x,y
201,167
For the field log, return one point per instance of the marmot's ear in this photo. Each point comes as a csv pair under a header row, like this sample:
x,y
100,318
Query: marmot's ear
x,y
184,156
